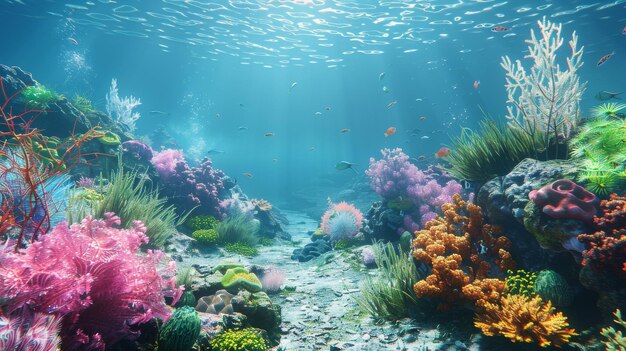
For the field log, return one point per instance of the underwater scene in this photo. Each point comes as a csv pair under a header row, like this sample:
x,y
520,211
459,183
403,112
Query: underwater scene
x,y
287,175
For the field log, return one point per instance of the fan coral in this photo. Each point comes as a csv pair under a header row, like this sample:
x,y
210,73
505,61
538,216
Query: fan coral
x,y
523,319
29,331
565,199
342,221
92,275
190,186
458,246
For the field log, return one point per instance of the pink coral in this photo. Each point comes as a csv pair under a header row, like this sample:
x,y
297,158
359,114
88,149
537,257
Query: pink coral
x,y
165,162
273,279
94,276
29,331
392,175
565,199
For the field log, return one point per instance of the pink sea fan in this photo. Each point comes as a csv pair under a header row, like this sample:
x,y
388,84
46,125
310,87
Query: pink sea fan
x,y
273,279
342,221
25,330
93,275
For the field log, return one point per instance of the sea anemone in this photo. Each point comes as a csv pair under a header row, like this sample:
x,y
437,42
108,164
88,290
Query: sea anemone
x,y
610,109
342,221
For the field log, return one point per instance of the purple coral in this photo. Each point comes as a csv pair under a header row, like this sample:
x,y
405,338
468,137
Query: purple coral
x,y
396,179
566,199
190,186
138,150
93,276
368,257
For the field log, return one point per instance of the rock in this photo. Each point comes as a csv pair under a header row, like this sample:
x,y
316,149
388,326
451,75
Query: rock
x,y
366,337
552,233
213,324
382,223
311,250
505,198
204,284
260,312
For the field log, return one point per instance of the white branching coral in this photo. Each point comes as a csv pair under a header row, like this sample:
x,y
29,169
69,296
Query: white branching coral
x,y
121,109
545,101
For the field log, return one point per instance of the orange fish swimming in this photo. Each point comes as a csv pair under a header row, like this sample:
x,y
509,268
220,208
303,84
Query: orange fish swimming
x,y
390,131
269,134
248,174
443,152
392,104
345,130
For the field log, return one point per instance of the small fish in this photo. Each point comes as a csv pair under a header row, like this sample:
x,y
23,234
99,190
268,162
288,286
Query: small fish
x,y
269,134
274,160
312,148
385,89
422,118
419,99
293,85
161,113
327,108
318,113
390,131
241,105
425,137
607,95
392,104
381,76
73,41
217,115
414,131
248,174
443,152
500,29
215,152
421,158
476,84
604,58
242,128
343,165
344,130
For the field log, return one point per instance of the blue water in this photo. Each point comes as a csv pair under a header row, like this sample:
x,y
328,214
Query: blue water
x,y
216,67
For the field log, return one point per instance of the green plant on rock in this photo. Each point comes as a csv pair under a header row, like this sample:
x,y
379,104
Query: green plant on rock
x,y
202,222
238,229
551,286
389,295
239,278
129,197
610,109
239,340
344,244
38,96
600,148
492,152
184,277
83,104
181,331
615,339
207,237
520,282
242,249
109,138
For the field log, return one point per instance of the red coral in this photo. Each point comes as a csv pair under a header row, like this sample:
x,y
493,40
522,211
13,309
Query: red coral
x,y
93,275
565,199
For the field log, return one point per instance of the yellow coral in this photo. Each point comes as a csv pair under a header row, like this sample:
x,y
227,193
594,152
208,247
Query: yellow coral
x,y
524,319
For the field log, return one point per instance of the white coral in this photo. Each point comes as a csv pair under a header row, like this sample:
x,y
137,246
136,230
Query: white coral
x,y
121,109
545,103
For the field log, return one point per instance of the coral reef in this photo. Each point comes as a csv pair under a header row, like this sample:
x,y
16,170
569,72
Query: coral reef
x,y
92,275
459,247
206,236
565,199
523,319
191,187
520,282
180,331
216,304
121,109
239,340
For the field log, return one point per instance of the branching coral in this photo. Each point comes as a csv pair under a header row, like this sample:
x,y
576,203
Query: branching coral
x,y
121,109
91,274
615,339
523,319
544,102
460,248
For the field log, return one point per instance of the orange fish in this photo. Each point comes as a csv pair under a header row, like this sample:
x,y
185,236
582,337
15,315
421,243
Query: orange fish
x,y
345,130
390,131
443,152
269,134
248,174
392,104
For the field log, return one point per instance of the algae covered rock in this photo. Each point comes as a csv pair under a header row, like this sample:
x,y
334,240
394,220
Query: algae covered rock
x,y
260,312
181,331
552,233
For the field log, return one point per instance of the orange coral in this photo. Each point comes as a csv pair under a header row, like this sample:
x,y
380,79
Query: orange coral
x,y
461,248
524,319
262,205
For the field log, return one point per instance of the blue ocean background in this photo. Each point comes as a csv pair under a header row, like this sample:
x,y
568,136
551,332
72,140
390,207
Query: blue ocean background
x,y
228,90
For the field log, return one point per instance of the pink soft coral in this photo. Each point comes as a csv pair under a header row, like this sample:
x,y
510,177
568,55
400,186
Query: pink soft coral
x,y
94,276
